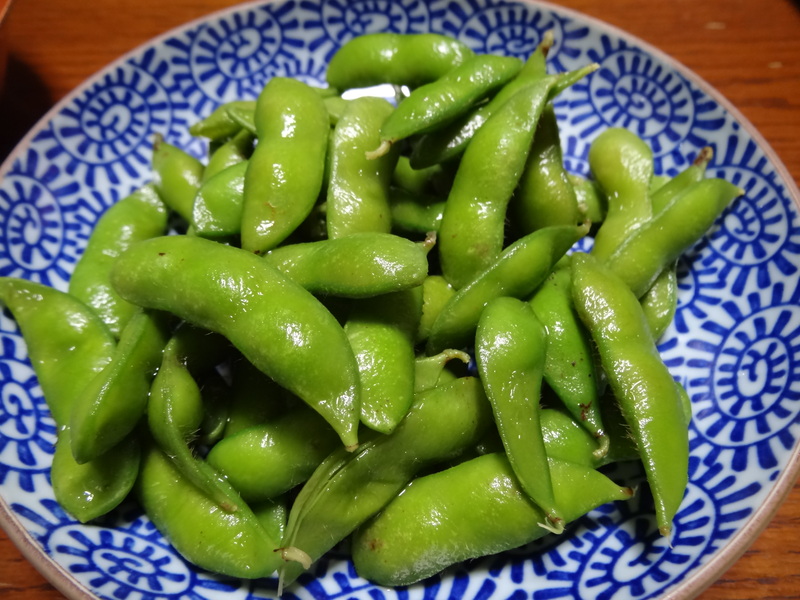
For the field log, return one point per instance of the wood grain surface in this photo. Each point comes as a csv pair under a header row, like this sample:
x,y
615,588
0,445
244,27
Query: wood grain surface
x,y
749,50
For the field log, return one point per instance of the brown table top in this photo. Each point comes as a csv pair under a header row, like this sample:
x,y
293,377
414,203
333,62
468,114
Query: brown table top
x,y
748,49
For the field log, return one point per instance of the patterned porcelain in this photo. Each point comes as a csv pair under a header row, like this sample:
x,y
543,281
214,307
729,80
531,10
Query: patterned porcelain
x,y
735,342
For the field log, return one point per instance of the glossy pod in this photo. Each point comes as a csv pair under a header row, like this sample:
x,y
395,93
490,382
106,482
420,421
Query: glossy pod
x,y
345,491
659,242
471,233
569,368
358,188
381,331
474,509
284,174
264,461
519,270
237,294
90,490
233,544
640,381
68,344
622,165
177,176
437,103
139,216
112,403
401,59
510,349
359,265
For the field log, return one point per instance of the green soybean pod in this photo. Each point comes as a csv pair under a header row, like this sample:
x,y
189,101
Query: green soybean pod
x,y
659,242
591,199
115,399
358,188
139,216
401,59
220,125
519,270
430,371
264,461
570,368
471,233
435,104
177,176
449,142
676,185
90,490
237,294
660,301
510,349
545,196
232,544
175,411
234,151
415,213
68,344
345,491
622,165
284,175
359,265
434,523
640,381
381,332
217,208
436,293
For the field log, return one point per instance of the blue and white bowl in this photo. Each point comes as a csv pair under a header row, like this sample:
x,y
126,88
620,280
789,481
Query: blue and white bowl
x,y
735,342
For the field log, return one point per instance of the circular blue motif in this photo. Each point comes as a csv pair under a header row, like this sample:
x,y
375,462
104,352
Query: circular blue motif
x,y
32,232
342,21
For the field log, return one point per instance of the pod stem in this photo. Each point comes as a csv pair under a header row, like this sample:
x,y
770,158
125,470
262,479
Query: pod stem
x,y
381,150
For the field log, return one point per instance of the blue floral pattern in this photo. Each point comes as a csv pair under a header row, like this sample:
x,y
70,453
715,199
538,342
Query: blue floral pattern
x,y
733,344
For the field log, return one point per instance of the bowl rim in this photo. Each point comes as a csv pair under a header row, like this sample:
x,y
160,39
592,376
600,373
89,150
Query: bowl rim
x,y
687,588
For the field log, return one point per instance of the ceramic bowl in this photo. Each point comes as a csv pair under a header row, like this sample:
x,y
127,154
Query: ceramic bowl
x,y
734,343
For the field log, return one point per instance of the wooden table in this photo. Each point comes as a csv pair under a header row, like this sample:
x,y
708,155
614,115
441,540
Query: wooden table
x,y
748,49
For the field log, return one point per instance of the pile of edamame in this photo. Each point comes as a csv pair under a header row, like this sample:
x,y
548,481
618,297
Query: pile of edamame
x,y
363,320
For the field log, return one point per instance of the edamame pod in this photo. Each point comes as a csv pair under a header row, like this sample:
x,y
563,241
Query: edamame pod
x,y
68,344
345,491
233,544
471,233
217,208
510,348
622,165
660,241
359,265
474,509
140,216
519,270
115,399
569,368
176,176
381,333
219,125
639,379
437,103
284,175
265,461
276,324
358,189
